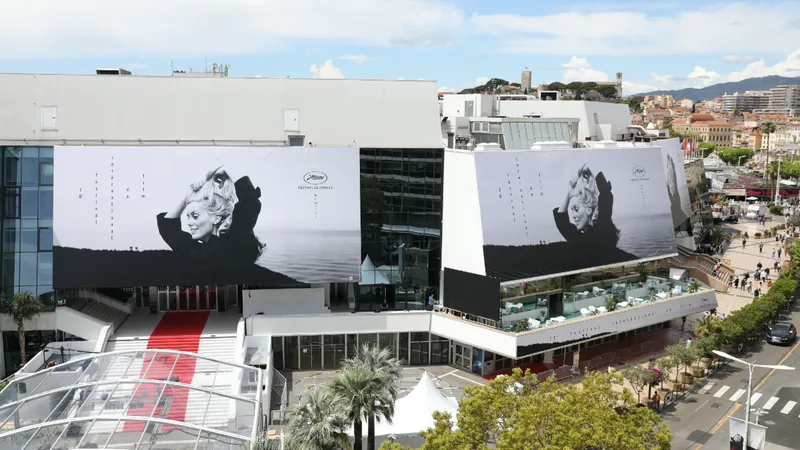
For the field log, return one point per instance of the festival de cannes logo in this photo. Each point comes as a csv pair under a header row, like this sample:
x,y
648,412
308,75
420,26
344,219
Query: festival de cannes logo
x,y
315,178
639,172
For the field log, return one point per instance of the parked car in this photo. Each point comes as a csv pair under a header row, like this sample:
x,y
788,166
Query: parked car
x,y
782,333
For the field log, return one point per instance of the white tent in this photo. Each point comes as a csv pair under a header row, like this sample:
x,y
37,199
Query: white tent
x,y
414,412
370,276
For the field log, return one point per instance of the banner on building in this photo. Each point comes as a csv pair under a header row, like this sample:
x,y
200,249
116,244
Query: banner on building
x,y
756,439
548,213
677,188
146,216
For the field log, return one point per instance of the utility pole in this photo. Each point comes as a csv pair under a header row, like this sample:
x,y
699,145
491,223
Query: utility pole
x,y
778,182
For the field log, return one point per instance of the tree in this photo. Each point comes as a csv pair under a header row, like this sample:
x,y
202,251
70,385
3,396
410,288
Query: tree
x,y
556,86
607,91
516,412
367,387
388,445
767,128
682,355
737,112
719,235
318,423
735,156
639,378
666,364
21,307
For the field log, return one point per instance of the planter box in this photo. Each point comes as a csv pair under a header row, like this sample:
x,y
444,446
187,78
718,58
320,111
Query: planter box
x,y
705,363
699,372
686,378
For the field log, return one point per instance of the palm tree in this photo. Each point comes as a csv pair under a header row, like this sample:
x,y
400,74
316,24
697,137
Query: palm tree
x,y
382,362
21,307
767,128
719,235
368,386
318,424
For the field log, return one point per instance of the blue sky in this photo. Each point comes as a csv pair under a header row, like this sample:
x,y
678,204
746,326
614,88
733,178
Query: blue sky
x,y
458,43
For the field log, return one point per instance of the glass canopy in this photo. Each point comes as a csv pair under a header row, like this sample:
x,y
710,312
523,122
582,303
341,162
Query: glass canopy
x,y
133,399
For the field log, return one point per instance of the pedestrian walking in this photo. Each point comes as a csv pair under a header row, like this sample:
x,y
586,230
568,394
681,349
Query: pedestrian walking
x,y
773,252
736,283
780,250
760,247
657,402
744,242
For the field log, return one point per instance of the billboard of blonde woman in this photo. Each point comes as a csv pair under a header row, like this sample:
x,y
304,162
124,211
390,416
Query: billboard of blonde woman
x,y
677,188
145,216
547,213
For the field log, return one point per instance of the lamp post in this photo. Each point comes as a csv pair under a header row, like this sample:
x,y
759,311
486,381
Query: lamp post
x,y
778,181
750,367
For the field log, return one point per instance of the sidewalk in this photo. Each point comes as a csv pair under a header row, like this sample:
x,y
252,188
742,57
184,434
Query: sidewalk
x,y
745,260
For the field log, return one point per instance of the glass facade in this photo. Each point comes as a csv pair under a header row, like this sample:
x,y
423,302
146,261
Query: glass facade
x,y
401,222
27,222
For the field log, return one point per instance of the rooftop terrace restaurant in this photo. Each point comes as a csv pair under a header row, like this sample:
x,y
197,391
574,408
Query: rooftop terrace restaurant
x,y
545,303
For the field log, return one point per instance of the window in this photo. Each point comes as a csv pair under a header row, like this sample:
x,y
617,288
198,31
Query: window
x,y
45,239
45,174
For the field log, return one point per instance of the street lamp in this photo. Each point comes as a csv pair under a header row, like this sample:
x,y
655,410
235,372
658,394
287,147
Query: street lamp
x,y
750,367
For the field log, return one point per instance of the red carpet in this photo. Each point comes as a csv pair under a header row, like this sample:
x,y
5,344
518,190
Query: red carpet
x,y
176,331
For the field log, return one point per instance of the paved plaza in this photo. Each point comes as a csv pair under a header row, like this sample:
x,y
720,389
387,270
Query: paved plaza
x,y
745,260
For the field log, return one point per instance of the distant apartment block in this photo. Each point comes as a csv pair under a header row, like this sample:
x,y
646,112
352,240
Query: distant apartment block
x,y
748,101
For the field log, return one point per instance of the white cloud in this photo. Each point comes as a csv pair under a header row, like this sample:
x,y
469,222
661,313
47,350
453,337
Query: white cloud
x,y
579,69
712,28
193,28
469,84
327,70
354,58
702,77
739,59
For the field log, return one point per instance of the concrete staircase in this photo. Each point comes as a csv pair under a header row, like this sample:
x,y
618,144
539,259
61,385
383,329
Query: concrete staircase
x,y
104,313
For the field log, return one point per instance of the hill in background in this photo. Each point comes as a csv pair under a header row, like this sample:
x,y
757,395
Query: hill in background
x,y
717,90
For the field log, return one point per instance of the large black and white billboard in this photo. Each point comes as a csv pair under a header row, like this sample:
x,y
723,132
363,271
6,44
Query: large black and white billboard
x,y
548,213
677,188
145,216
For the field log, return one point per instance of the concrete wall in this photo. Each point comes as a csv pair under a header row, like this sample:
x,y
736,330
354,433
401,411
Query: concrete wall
x,y
462,232
612,118
162,110
276,302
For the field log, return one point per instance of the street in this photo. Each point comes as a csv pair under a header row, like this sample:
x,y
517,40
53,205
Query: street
x,y
700,418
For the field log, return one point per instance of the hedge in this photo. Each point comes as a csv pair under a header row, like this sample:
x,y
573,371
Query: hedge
x,y
740,324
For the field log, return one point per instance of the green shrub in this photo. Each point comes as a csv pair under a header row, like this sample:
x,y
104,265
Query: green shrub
x,y
776,210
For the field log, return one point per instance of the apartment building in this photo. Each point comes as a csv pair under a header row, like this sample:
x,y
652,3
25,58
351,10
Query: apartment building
x,y
748,101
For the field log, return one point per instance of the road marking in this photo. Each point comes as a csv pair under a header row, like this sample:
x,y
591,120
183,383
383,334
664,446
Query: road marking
x,y
770,403
450,373
788,407
721,391
707,388
754,398
739,405
737,395
465,378
704,404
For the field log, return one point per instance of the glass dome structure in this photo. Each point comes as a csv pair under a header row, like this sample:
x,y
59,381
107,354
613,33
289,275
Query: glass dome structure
x,y
133,399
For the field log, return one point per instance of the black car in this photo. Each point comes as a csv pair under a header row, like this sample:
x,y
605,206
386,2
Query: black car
x,y
782,333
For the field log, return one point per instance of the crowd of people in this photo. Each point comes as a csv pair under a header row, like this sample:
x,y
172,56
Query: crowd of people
x,y
755,281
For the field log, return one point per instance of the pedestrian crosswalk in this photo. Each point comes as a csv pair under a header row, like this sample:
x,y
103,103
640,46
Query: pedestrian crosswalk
x,y
740,395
